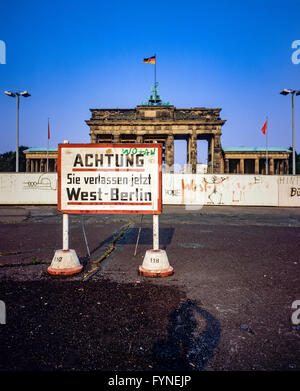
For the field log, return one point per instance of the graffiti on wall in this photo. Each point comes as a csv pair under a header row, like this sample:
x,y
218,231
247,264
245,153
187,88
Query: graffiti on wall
x,y
215,194
289,190
289,180
295,191
209,185
44,182
220,189
184,189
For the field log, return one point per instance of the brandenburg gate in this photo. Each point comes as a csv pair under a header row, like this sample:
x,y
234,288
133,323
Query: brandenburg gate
x,y
162,124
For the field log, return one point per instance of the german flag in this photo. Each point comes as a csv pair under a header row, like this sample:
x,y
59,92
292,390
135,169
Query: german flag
x,y
149,60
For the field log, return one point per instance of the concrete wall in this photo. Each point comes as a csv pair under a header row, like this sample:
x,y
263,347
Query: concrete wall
x,y
220,189
289,190
178,189
27,188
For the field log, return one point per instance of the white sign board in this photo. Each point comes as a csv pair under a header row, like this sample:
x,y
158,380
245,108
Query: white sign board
x,y
109,178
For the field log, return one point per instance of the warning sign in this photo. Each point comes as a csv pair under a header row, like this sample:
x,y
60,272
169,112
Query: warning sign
x,y
109,178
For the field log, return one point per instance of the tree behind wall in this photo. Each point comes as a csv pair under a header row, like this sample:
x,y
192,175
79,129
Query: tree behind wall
x,y
297,157
8,160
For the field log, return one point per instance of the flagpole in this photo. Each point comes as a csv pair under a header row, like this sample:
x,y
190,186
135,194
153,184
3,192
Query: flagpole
x,y
267,163
48,147
155,76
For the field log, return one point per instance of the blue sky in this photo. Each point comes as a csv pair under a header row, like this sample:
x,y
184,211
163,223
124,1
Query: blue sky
x,y
73,56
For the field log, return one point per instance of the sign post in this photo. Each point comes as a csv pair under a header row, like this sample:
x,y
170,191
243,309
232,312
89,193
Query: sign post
x,y
65,261
65,232
156,263
155,232
110,178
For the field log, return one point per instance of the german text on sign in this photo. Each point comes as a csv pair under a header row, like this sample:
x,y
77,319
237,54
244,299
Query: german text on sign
x,y
109,178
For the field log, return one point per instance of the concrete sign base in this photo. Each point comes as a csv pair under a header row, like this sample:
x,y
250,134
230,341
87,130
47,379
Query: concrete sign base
x,y
65,262
156,264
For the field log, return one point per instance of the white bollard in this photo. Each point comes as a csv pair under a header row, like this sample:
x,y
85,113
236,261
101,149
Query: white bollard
x,y
156,263
65,263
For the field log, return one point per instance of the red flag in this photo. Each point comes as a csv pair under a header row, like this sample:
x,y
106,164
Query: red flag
x,y
48,131
264,128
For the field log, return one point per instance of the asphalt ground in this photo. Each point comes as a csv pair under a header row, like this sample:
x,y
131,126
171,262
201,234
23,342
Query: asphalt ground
x,y
227,307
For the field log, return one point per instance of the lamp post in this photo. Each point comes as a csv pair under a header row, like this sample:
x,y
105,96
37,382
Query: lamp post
x,y
17,95
287,91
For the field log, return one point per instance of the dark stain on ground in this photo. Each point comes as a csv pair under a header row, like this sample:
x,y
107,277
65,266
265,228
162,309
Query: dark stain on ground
x,y
184,349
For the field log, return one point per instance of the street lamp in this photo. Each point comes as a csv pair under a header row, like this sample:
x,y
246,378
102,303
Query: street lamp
x,y
287,91
25,94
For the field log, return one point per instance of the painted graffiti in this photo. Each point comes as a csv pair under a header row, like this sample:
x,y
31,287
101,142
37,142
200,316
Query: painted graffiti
x,y
289,180
207,185
184,189
215,196
238,196
295,191
214,189
257,180
43,183
134,151
172,192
